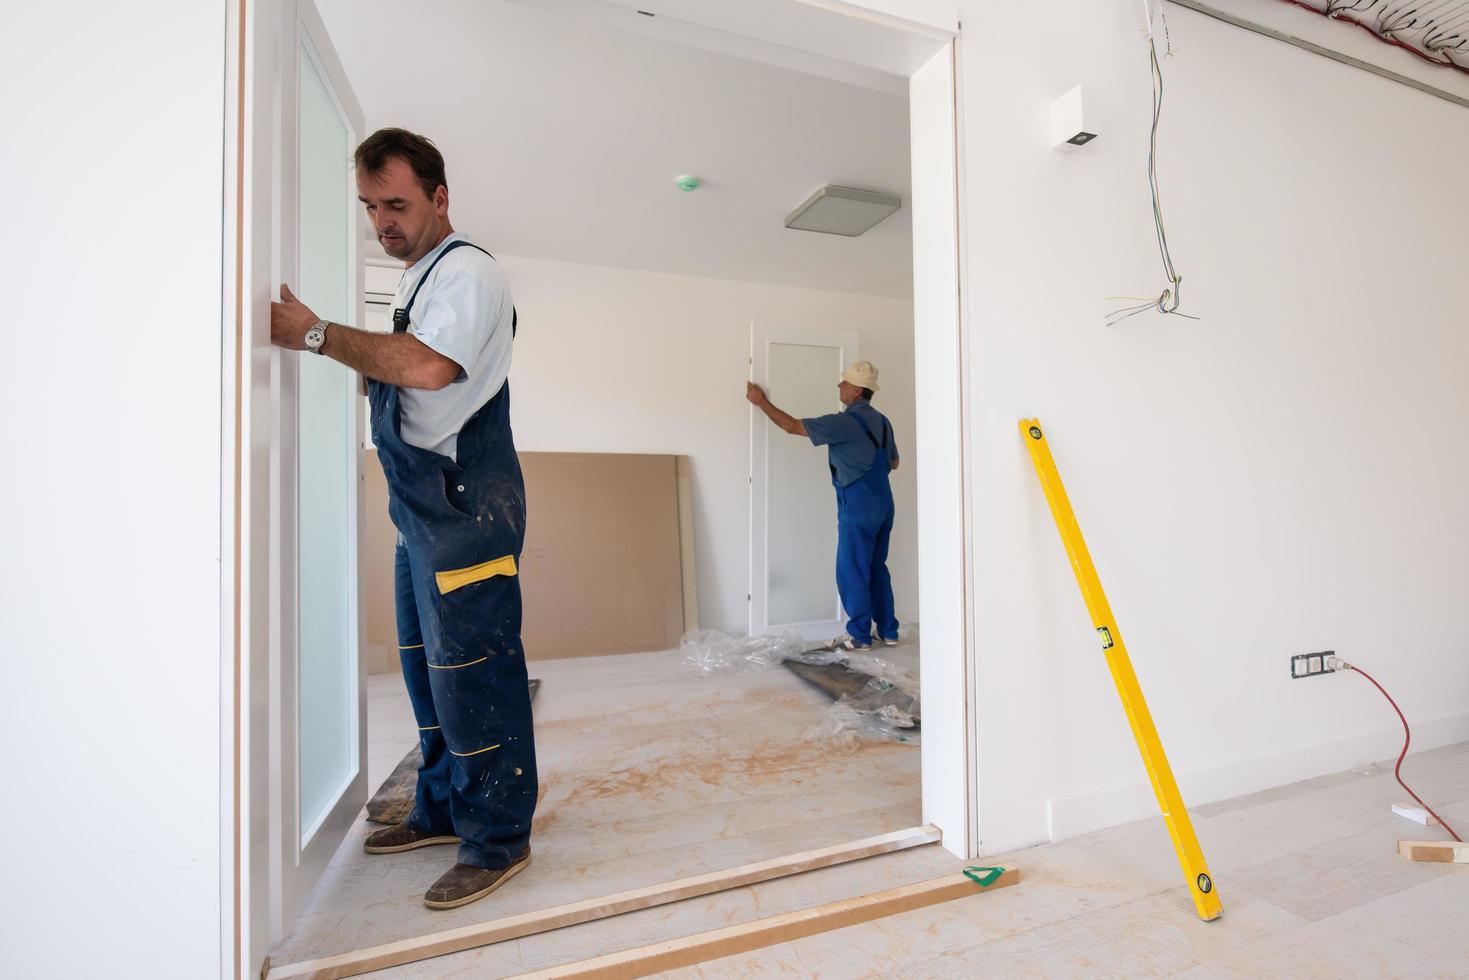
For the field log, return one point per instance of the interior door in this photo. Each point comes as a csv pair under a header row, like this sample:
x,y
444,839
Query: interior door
x,y
793,523
318,711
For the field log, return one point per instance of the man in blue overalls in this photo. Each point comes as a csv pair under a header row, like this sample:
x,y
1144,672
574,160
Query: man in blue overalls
x,y
440,401
861,451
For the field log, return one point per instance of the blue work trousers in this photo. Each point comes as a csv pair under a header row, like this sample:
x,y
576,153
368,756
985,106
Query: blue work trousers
x,y
461,525
864,525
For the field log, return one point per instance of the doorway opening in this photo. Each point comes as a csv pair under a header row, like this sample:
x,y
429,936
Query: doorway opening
x,y
645,754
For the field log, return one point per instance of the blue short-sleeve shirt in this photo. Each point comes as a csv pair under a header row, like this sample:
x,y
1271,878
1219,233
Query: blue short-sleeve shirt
x,y
848,449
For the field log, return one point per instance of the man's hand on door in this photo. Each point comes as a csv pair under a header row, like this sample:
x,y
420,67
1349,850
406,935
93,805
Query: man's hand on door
x,y
289,321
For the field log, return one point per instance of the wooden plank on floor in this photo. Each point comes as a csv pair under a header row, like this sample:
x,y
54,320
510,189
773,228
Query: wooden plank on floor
x,y
363,961
1446,852
657,957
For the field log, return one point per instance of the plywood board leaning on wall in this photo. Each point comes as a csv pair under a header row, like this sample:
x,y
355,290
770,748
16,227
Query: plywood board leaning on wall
x,y
608,565
602,567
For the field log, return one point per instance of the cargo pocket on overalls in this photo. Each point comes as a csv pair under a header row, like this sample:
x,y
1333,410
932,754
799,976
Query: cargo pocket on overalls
x,y
458,578
478,608
472,605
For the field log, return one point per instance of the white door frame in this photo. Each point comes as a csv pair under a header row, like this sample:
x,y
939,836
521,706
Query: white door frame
x,y
947,675
267,871
944,521
299,854
762,336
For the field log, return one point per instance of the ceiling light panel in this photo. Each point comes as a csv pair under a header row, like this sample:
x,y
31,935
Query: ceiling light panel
x,y
845,211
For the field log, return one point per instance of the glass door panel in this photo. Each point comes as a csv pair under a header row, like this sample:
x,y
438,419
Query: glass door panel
x,y
803,521
327,462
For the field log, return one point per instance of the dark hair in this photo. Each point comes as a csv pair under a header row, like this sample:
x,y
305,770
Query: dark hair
x,y
867,393
417,151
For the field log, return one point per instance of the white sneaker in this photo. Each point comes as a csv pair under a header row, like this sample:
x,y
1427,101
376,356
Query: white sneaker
x,y
889,643
846,642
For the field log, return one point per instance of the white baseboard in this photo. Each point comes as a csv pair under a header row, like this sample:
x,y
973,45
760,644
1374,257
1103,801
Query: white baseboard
x,y
1082,813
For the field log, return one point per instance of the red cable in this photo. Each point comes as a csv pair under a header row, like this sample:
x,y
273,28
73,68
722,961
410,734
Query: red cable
x,y
1446,62
1407,737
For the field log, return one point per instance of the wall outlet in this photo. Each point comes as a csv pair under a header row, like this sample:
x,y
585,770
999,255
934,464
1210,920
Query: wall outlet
x,y
1313,664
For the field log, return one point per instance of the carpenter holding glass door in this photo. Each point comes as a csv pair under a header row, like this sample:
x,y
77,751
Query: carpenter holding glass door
x,y
861,453
440,395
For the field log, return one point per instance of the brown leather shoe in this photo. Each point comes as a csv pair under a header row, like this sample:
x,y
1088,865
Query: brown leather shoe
x,y
402,837
464,883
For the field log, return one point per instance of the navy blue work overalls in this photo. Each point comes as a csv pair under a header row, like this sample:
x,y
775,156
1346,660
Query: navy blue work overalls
x,y
864,526
461,527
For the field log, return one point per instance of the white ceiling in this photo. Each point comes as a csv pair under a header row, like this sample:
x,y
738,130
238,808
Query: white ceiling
x,y
563,136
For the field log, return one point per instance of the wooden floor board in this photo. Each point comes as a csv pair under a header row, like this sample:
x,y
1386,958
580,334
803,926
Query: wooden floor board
x,y
647,960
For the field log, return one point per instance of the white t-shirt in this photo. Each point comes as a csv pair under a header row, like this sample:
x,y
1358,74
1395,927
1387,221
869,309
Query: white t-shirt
x,y
463,312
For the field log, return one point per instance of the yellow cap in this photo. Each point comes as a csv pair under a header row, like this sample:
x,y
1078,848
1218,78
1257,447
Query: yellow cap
x,y
862,374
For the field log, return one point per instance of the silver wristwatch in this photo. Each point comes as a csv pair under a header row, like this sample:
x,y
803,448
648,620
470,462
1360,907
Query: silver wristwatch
x,y
316,336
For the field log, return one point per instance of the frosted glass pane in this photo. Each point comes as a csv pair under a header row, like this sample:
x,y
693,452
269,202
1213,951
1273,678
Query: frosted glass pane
x,y
802,543
326,666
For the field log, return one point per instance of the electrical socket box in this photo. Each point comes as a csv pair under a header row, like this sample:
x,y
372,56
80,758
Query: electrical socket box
x,y
1312,664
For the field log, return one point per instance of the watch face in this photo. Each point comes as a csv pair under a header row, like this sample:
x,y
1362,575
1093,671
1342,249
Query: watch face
x,y
314,337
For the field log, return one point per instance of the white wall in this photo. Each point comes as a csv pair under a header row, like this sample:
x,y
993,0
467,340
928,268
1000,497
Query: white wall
x,y
110,432
1285,475
617,360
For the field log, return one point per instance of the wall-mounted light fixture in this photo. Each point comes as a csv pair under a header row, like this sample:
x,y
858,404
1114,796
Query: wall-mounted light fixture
x,y
1070,127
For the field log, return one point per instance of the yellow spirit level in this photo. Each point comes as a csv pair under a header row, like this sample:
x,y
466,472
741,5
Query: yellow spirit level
x,y
1175,815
